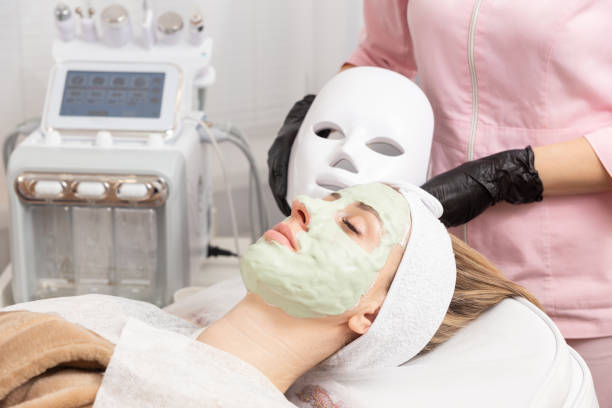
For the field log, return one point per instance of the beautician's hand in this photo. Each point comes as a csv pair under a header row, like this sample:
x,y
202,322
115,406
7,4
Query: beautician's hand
x,y
469,189
278,155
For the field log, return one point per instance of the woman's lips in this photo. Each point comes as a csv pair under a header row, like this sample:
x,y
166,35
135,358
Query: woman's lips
x,y
282,234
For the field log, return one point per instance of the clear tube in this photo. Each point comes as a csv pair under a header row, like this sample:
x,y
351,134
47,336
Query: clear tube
x,y
93,249
53,265
136,253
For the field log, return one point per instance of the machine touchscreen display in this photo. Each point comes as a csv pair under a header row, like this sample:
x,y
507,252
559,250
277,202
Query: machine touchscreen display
x,y
113,94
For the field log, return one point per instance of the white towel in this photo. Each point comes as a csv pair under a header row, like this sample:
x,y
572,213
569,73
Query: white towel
x,y
106,315
153,367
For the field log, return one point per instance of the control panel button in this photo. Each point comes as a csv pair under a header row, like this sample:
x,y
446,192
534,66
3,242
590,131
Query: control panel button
x,y
53,138
156,140
90,189
48,189
132,191
104,139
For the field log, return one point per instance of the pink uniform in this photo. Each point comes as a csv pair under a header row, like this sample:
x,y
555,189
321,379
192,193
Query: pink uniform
x,y
503,75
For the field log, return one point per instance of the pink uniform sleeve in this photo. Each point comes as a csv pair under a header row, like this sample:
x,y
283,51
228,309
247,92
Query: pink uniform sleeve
x,y
385,40
601,142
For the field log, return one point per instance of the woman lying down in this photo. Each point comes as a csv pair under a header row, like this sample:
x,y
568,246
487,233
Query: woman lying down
x,y
366,278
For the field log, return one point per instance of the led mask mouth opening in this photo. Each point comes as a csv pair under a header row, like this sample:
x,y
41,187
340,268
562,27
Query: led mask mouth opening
x,y
332,187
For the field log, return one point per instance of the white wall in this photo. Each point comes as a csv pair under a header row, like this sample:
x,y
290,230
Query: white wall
x,y
268,54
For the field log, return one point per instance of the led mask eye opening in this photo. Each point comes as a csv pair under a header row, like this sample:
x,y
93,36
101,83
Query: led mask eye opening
x,y
385,146
328,130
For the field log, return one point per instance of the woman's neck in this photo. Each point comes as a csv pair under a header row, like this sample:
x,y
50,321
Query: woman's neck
x,y
280,346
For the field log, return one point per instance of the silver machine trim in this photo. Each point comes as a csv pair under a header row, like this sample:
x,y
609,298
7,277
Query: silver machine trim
x,y
155,196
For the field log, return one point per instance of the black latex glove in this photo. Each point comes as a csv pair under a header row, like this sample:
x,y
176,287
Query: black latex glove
x,y
469,189
278,155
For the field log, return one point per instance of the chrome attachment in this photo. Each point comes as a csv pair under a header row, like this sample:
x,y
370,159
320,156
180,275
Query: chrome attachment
x,y
110,190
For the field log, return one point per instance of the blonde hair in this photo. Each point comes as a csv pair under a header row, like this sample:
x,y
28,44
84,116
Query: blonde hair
x,y
479,286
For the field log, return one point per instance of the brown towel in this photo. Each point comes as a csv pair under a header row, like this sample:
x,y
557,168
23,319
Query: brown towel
x,y
61,388
46,361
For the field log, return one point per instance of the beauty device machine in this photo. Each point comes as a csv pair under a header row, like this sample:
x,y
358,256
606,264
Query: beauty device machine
x,y
111,193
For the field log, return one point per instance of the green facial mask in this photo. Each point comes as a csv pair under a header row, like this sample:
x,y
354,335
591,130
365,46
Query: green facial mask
x,y
330,272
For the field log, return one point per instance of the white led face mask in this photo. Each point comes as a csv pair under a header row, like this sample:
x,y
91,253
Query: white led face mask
x,y
366,124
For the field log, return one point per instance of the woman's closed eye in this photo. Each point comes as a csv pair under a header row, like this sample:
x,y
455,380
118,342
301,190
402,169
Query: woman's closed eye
x,y
360,223
350,226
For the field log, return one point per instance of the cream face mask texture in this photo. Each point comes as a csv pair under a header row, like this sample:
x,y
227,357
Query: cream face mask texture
x,y
330,272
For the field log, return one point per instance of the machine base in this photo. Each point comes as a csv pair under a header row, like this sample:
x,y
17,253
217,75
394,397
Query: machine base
x,y
211,270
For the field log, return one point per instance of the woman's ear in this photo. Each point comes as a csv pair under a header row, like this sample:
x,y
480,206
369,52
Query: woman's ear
x,y
361,321
361,318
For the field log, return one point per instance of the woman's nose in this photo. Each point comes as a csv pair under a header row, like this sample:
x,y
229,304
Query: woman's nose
x,y
300,214
354,142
